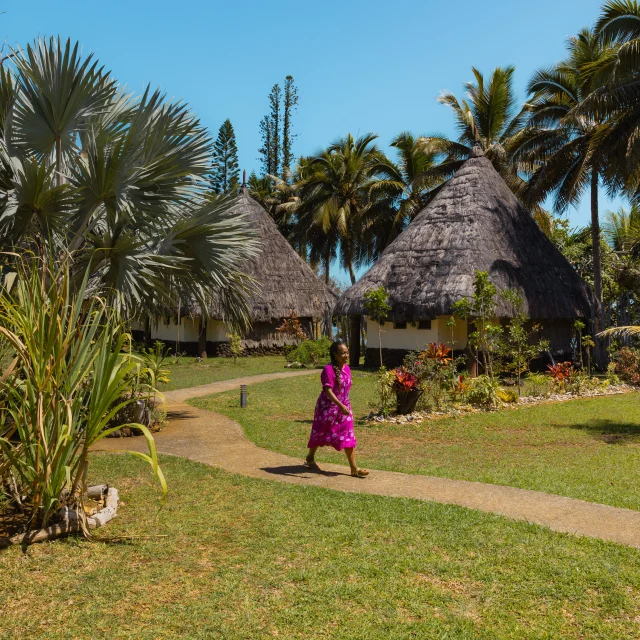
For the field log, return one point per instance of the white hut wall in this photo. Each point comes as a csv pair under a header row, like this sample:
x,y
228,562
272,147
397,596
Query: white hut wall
x,y
179,337
399,339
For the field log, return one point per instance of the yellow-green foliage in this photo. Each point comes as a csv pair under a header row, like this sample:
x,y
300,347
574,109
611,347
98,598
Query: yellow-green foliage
x,y
508,395
235,345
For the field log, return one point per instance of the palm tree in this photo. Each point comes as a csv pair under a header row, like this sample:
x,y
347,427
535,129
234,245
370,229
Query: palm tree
x,y
400,190
488,117
562,151
616,99
334,200
117,181
621,231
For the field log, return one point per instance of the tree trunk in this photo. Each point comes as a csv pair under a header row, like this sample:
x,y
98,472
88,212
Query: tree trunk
x,y
59,178
595,241
327,265
202,338
597,270
352,274
354,344
147,331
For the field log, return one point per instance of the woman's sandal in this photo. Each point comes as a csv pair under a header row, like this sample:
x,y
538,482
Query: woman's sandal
x,y
313,465
360,473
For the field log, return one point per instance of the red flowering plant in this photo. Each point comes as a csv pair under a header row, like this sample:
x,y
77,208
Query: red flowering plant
x,y
291,327
459,388
562,373
438,352
404,381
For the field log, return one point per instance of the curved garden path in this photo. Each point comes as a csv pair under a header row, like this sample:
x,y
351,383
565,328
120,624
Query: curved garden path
x,y
216,440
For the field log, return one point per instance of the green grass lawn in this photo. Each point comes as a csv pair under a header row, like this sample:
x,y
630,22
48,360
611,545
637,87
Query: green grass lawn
x,y
586,448
253,559
189,373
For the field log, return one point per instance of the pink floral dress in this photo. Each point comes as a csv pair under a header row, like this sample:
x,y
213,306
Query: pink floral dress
x,y
330,426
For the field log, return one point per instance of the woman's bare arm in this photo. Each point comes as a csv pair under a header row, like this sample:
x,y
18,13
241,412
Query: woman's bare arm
x,y
332,396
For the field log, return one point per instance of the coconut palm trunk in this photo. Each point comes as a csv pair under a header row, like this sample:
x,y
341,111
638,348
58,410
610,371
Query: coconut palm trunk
x,y
597,269
595,239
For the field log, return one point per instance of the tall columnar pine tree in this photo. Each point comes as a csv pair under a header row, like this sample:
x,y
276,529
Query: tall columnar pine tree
x,y
275,130
225,177
270,128
290,103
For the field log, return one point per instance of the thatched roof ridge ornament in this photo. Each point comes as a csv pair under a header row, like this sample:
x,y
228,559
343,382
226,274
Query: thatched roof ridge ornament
x,y
284,281
474,223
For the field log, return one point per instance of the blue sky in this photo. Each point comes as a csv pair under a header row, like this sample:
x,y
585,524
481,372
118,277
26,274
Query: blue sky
x,y
359,65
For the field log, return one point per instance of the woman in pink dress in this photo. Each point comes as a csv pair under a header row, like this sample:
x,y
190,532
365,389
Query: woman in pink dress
x,y
333,418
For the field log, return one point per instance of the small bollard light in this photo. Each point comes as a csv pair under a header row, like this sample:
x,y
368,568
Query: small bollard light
x,y
243,395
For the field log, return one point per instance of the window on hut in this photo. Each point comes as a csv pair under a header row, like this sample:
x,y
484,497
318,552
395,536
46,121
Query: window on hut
x,y
399,325
424,324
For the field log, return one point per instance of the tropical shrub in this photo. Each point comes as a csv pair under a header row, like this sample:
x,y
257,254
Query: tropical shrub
x,y
69,375
235,345
291,327
539,385
484,392
459,389
404,381
376,306
480,311
627,365
612,375
518,346
384,388
562,374
508,395
310,352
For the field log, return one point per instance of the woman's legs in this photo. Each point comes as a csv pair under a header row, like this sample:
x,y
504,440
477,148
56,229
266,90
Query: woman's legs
x,y
312,454
351,457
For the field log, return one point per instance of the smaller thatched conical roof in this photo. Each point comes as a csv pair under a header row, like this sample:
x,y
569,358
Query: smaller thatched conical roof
x,y
284,281
474,223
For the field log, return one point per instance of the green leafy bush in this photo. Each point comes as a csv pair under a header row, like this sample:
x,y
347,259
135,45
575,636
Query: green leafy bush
x,y
386,399
539,385
484,391
627,363
310,352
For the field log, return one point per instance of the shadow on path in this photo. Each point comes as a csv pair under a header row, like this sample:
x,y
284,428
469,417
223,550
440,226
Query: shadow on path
x,y
299,471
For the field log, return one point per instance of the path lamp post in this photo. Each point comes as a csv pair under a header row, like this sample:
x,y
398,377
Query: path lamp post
x,y
243,395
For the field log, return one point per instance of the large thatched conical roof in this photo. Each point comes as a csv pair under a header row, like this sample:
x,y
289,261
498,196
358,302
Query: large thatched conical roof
x,y
474,223
284,281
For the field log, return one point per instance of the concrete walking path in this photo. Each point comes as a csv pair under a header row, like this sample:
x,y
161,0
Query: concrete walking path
x,y
216,440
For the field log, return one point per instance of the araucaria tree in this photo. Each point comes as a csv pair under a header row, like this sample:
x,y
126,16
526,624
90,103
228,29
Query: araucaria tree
x,y
276,154
119,182
270,132
290,103
225,177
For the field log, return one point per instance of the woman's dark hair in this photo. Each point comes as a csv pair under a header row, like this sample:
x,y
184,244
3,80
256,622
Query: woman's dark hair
x,y
333,352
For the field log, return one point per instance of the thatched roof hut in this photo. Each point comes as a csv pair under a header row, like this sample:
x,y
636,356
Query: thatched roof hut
x,y
474,223
284,282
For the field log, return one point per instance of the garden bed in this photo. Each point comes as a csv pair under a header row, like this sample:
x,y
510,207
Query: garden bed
x,y
100,507
417,417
